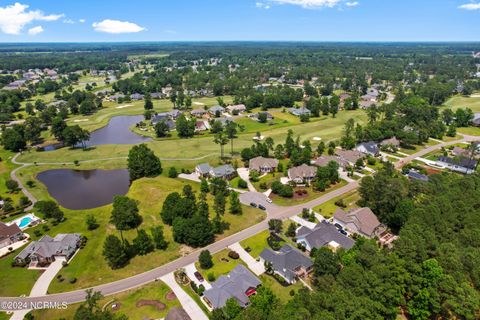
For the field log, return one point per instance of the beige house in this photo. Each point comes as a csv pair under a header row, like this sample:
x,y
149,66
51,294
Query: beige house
x,y
302,174
262,164
361,221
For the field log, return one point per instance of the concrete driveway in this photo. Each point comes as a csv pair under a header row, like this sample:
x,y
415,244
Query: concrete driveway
x,y
256,266
303,222
190,271
243,173
190,306
192,176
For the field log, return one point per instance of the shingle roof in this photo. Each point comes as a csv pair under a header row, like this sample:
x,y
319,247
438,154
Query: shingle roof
x,y
261,162
364,219
7,231
204,168
234,285
350,155
323,234
461,161
303,171
323,161
62,244
287,260
223,170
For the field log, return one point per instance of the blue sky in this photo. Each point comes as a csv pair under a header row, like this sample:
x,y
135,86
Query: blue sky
x,y
205,20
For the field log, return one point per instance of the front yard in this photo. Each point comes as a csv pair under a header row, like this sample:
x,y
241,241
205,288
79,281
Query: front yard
x,y
327,209
311,194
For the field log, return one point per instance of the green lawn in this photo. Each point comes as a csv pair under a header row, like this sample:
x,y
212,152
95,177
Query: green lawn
x,y
327,209
310,196
283,293
472,131
127,300
267,179
15,281
222,264
256,243
459,101
234,183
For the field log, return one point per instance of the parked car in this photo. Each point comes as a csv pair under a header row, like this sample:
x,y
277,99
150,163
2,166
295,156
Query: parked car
x,y
253,204
261,207
343,232
269,200
339,227
198,276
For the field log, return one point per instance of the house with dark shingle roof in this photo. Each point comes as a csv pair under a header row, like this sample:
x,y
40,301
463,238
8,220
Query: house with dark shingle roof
x,y
225,171
9,234
323,161
324,234
415,175
216,110
361,221
289,262
458,164
368,148
47,248
239,284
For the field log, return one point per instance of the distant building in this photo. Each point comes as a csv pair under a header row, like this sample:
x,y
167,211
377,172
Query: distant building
x,y
361,221
262,164
368,148
9,234
299,111
225,171
351,156
323,161
414,175
459,164
216,110
236,108
302,174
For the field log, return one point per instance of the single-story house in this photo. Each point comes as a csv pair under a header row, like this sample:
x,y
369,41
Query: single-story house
x,y
289,262
9,234
458,164
302,174
351,156
415,175
115,97
361,221
262,164
225,171
165,115
216,110
256,115
460,152
299,111
201,126
236,108
323,161
156,95
47,248
368,148
366,104
476,119
392,142
239,284
344,96
136,96
198,113
323,235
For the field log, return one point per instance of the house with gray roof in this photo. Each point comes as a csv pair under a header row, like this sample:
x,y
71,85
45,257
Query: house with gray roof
x,y
458,164
351,156
324,234
238,108
361,221
299,111
225,171
198,113
239,284
216,110
47,248
368,148
262,164
323,161
302,174
289,262
136,96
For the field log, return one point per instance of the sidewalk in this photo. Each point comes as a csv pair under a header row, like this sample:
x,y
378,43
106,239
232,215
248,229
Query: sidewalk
x,y
256,266
190,306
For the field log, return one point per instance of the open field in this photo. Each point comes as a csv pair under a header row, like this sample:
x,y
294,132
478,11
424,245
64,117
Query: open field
x,y
127,301
459,101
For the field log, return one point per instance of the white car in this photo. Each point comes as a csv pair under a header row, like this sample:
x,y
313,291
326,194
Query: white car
x,y
269,200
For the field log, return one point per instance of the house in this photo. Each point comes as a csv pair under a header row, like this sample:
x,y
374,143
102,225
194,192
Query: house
x,y
458,164
9,234
368,148
256,115
115,97
460,152
201,126
174,114
299,111
366,104
262,164
361,221
46,249
415,175
392,142
225,171
351,156
216,110
324,234
239,284
323,161
236,109
289,262
136,96
302,174
476,120
344,96
198,113
156,95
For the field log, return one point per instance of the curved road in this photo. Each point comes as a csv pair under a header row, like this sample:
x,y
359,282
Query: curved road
x,y
273,212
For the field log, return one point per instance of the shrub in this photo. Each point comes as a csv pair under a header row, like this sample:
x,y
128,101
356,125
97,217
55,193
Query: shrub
x,y
205,259
292,293
242,184
37,233
340,203
211,277
72,280
234,255
172,172
263,186
45,227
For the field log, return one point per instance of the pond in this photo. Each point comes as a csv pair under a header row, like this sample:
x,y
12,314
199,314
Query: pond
x,y
117,131
85,189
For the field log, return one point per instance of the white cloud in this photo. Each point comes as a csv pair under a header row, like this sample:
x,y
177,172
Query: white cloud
x,y
262,5
352,4
13,18
81,20
68,21
310,4
35,30
470,6
117,26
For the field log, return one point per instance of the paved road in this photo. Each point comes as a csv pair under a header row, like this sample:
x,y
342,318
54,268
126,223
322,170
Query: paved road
x,y
273,211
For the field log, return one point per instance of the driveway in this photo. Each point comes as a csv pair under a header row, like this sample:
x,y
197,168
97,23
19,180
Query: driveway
x,y
190,306
256,266
257,198
192,176
244,175
190,271
303,222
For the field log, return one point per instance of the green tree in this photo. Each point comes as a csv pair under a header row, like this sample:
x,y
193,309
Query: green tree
x,y
125,214
205,259
143,243
185,127
142,162
162,129
114,252
159,238
235,205
221,139
91,222
11,185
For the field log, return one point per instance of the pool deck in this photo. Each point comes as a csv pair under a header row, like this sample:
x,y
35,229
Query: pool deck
x,y
33,218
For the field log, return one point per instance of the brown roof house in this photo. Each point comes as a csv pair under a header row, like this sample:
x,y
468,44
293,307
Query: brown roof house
x,y
323,161
262,164
9,234
391,144
302,174
361,221
351,156
457,151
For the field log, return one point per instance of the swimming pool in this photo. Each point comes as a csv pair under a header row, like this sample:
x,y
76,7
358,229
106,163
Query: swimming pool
x,y
25,222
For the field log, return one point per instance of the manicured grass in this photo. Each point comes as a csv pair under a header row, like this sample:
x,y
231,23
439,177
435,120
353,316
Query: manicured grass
x,y
222,264
310,196
256,243
4,316
234,183
267,179
283,293
327,209
472,131
464,102
127,301
15,281
6,166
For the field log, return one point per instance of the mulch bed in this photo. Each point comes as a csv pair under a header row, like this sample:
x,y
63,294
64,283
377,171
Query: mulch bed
x,y
170,296
155,303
